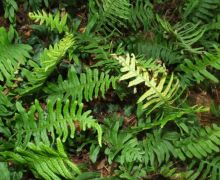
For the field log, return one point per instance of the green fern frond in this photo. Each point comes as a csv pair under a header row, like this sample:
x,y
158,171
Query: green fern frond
x,y
85,86
186,34
207,142
204,169
48,62
57,22
154,79
201,10
198,71
5,104
44,161
109,14
56,120
158,50
12,56
141,14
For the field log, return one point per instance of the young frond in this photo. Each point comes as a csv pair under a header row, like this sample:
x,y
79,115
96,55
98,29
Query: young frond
x,y
48,61
186,34
154,78
44,161
200,10
57,22
85,86
57,120
111,14
12,56
198,71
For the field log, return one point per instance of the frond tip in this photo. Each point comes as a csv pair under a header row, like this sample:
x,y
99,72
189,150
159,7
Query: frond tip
x,y
154,78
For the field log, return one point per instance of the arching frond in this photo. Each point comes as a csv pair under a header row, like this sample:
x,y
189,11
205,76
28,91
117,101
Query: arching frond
x,y
85,86
56,120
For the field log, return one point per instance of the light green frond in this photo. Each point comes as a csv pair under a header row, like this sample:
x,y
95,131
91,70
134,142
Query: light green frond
x,y
85,86
57,22
160,90
42,125
48,62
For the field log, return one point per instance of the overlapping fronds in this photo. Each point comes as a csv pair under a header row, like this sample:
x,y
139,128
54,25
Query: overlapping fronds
x,y
154,78
48,61
12,56
57,22
200,10
44,161
186,34
110,14
85,86
198,71
57,122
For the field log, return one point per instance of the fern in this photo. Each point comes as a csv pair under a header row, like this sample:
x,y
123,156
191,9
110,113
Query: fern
x,y
44,161
5,104
141,14
200,10
48,61
59,121
157,50
58,22
186,34
86,86
206,143
157,93
204,169
198,71
12,56
111,14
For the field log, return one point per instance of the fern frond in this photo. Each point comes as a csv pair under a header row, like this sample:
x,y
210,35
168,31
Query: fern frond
x,y
111,14
154,79
141,14
85,86
198,71
186,34
204,169
5,104
56,120
12,56
207,142
48,61
157,50
44,161
200,10
57,22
